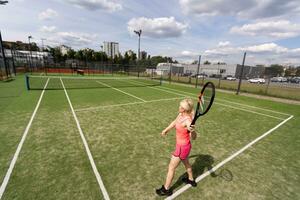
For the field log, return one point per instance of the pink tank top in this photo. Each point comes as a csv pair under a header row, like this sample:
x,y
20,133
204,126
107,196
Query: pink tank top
x,y
182,134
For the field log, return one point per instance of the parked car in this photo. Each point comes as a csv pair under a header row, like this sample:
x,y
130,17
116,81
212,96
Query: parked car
x,y
230,78
279,79
202,76
295,80
257,80
187,74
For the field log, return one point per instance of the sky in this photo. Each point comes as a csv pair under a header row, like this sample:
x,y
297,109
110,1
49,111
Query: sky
x,y
218,30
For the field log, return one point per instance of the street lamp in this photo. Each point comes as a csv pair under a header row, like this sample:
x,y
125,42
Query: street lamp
x,y
30,37
3,2
139,33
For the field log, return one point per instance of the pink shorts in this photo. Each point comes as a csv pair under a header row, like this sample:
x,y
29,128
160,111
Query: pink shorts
x,y
182,151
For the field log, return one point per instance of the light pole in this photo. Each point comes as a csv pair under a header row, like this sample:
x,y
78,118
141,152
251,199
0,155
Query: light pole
x,y
43,51
139,33
30,63
43,39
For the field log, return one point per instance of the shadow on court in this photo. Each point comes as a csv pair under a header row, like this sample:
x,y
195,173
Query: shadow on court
x,y
202,164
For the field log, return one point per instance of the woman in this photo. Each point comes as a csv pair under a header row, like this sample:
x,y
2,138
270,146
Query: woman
x,y
184,131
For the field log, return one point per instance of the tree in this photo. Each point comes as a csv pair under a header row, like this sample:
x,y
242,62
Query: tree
x,y
207,62
290,71
71,54
298,71
100,56
56,54
79,55
34,47
274,70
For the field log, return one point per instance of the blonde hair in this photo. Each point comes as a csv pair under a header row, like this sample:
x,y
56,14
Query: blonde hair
x,y
187,105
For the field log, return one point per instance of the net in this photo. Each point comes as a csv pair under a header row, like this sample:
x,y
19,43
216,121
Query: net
x,y
55,82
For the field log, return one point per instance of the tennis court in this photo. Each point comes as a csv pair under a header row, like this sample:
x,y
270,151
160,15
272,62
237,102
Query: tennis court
x,y
100,139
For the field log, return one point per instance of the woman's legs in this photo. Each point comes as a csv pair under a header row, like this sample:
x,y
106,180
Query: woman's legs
x,y
174,162
188,168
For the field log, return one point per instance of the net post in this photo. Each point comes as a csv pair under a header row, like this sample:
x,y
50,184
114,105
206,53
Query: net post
x,y
27,82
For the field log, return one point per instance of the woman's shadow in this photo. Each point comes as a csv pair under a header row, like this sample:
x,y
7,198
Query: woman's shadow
x,y
201,163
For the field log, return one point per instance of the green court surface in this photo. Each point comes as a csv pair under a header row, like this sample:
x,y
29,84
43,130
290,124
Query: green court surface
x,y
109,146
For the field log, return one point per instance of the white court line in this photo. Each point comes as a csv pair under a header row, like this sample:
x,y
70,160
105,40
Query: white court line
x,y
235,103
125,104
121,91
86,146
255,107
83,78
156,88
199,178
133,103
246,110
223,104
271,116
14,160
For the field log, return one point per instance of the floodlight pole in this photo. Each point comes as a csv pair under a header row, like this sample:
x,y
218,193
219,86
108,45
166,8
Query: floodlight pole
x,y
30,37
139,33
43,51
241,75
198,71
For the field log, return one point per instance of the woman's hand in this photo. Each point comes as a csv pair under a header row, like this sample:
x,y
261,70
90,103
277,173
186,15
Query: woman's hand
x,y
191,128
164,132
192,131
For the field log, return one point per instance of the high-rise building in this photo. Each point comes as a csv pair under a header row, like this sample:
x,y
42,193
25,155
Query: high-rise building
x,y
111,49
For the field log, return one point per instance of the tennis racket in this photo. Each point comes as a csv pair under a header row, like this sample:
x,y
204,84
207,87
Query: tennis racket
x,y
205,101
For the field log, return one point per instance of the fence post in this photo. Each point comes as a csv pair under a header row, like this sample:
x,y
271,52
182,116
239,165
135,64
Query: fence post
x,y
269,79
241,75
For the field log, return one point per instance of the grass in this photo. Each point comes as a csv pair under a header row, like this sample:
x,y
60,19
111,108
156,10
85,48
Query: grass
x,y
129,152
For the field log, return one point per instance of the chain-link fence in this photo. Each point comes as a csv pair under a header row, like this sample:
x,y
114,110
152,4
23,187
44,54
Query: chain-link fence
x,y
255,80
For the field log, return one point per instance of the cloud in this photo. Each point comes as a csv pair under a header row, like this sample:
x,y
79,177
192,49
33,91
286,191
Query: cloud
x,y
72,39
252,9
48,29
189,54
256,54
76,39
157,27
48,14
215,7
267,48
107,5
275,29
224,44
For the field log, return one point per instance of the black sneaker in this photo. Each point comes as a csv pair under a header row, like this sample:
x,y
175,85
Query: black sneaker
x,y
188,181
163,191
